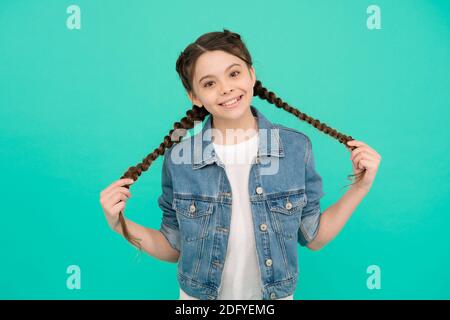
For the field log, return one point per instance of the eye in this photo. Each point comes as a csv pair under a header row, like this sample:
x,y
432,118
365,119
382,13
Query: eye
x,y
235,71
207,83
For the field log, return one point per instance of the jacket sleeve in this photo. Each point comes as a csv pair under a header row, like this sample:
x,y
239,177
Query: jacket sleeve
x,y
169,225
310,219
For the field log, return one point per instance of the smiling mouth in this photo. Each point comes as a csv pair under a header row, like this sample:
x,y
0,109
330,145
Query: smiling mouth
x,y
232,103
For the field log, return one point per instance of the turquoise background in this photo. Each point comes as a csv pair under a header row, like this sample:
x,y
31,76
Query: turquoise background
x,y
78,107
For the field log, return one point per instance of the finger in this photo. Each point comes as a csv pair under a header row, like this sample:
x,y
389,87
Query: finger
x,y
114,199
357,168
368,164
365,149
371,150
355,143
358,165
118,183
363,155
117,189
358,143
112,192
118,207
356,151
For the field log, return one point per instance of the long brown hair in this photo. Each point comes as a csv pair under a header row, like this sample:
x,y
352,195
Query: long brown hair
x,y
231,43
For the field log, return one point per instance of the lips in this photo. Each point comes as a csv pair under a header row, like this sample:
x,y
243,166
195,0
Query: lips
x,y
234,104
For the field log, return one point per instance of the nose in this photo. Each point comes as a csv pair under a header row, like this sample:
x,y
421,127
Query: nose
x,y
225,89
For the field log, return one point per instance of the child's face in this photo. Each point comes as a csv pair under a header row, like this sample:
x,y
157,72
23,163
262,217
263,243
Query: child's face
x,y
222,84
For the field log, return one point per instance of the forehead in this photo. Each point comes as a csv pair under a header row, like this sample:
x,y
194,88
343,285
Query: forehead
x,y
214,63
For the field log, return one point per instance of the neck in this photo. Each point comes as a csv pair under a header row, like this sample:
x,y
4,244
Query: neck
x,y
233,131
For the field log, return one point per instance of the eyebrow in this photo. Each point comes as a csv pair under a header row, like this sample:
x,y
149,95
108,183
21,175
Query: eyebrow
x,y
234,64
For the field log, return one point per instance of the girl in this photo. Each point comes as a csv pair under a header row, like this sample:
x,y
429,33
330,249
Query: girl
x,y
233,226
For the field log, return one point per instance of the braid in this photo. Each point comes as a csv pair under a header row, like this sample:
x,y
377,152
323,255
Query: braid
x,y
264,94
175,136
198,114
231,43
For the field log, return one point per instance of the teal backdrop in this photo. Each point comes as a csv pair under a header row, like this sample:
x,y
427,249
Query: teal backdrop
x,y
78,106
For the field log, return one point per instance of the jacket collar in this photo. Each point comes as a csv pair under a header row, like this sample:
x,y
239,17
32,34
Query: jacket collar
x,y
270,143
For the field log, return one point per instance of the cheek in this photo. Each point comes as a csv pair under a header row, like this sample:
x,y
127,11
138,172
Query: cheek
x,y
204,95
210,98
248,83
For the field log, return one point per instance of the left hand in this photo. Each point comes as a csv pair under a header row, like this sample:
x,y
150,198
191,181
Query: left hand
x,y
364,157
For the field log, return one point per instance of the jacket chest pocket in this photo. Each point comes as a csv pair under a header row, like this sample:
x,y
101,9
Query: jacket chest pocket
x,y
194,217
285,211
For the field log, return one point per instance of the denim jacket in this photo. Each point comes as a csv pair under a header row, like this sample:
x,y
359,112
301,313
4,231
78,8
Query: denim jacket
x,y
284,190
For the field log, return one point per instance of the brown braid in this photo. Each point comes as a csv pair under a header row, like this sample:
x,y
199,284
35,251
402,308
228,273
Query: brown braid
x,y
232,43
177,134
265,94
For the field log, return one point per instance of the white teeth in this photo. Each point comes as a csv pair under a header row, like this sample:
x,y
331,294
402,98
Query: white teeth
x,y
230,102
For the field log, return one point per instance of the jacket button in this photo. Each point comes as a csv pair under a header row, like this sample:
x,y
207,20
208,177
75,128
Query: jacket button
x,y
192,208
259,190
273,296
288,206
263,227
269,262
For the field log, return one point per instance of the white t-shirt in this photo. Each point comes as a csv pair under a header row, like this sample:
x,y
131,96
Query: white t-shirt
x,y
241,278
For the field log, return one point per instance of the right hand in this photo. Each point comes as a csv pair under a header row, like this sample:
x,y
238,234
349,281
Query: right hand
x,y
113,200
